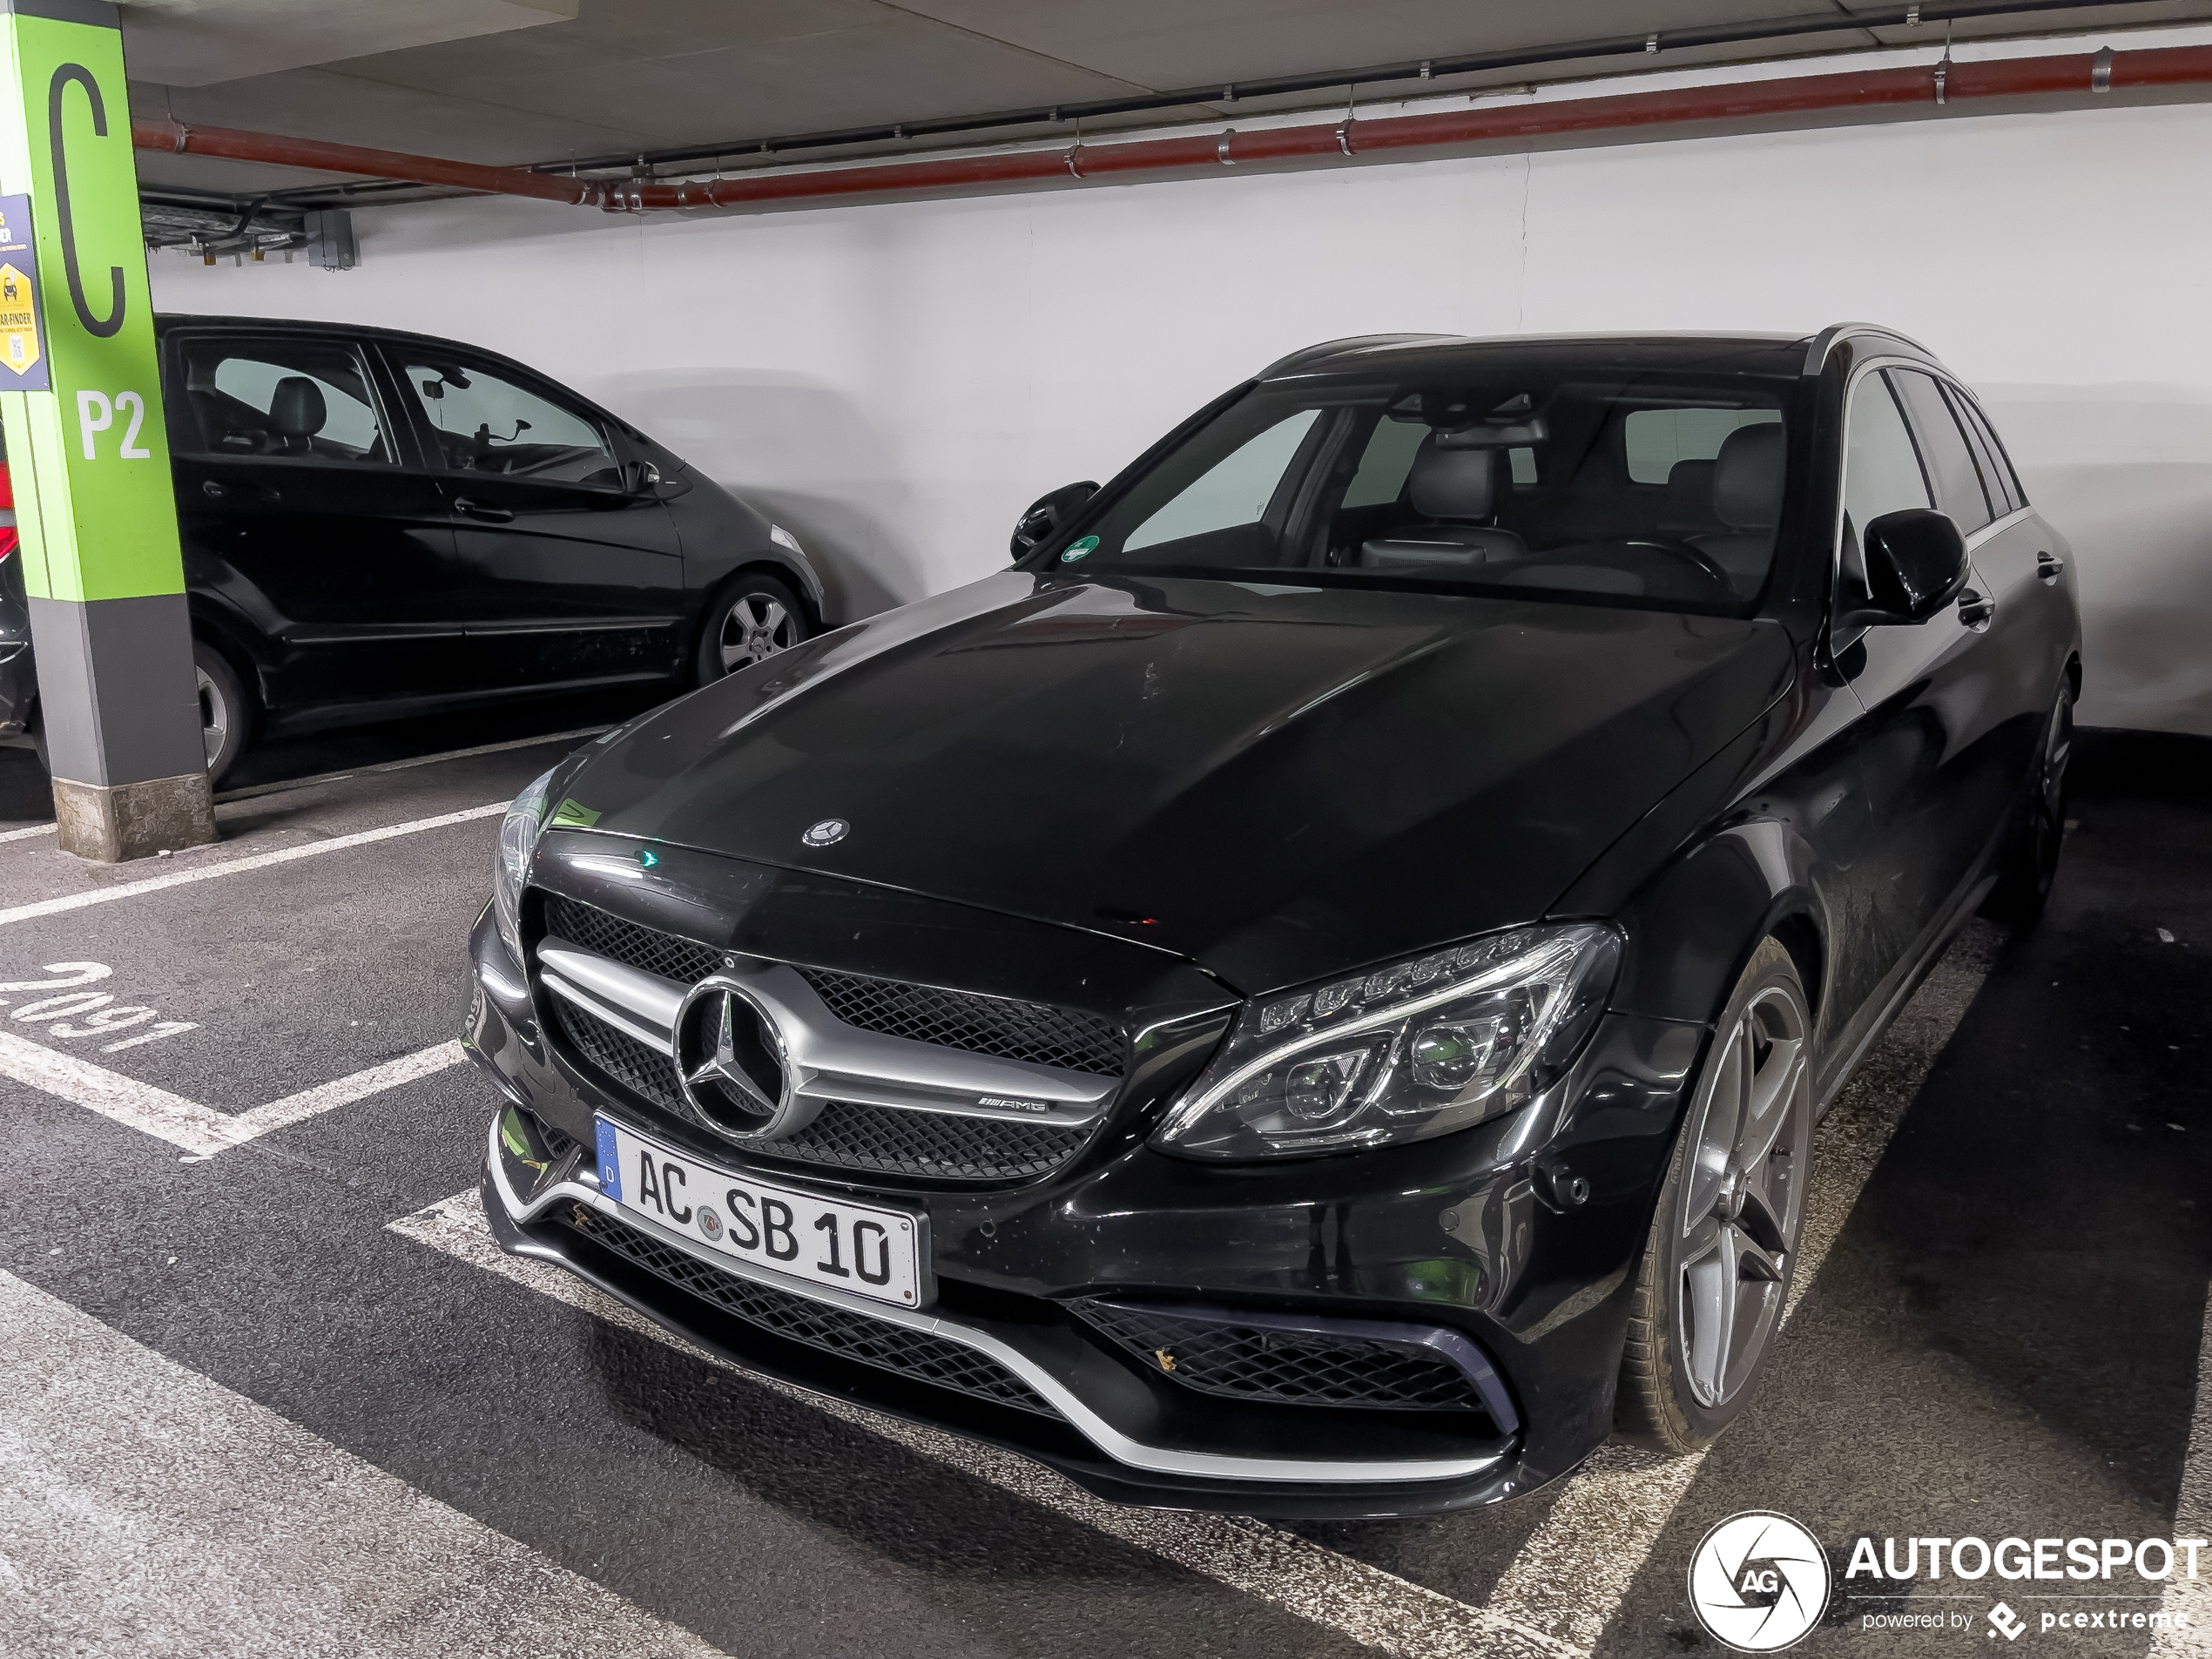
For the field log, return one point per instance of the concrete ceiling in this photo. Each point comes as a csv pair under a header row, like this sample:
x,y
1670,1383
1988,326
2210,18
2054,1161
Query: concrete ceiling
x,y
513,81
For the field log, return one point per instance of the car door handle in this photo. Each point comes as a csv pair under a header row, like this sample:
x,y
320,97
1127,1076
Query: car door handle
x,y
1974,611
2048,566
482,510
214,491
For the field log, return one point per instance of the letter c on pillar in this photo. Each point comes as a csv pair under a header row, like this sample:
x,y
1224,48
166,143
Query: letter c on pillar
x,y
99,327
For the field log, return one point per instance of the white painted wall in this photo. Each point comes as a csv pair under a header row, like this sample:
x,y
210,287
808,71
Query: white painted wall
x,y
895,382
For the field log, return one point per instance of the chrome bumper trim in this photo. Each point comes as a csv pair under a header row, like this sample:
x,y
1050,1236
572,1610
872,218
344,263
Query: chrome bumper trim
x,y
1104,1435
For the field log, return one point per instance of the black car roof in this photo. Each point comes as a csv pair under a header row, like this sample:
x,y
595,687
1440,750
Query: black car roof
x,y
1417,353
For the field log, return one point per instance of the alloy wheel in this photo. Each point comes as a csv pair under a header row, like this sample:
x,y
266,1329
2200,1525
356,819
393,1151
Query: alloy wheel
x,y
215,715
1744,1200
753,629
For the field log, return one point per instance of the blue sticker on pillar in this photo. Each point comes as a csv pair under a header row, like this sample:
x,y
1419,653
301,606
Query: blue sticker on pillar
x,y
610,1161
23,346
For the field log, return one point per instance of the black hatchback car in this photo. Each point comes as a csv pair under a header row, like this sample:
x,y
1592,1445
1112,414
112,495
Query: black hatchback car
x,y
379,524
1309,993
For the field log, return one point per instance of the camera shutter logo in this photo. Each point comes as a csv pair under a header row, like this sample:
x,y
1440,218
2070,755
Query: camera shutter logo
x,y
1758,1583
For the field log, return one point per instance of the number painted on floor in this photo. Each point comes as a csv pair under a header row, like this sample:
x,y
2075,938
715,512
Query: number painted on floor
x,y
78,973
89,1014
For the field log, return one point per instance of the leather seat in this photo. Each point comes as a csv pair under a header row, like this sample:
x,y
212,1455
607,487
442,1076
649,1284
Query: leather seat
x,y
1688,509
1747,497
1457,490
296,414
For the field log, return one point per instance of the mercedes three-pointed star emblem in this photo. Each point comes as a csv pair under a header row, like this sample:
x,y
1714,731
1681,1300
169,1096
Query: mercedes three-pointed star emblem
x,y
730,1057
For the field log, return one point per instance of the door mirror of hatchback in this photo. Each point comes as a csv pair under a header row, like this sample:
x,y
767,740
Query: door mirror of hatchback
x,y
1916,563
1045,514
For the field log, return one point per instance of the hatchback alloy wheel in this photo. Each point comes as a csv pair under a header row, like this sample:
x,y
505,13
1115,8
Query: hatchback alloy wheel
x,y
754,628
216,715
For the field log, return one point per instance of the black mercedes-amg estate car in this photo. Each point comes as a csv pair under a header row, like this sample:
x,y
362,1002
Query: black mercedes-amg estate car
x,y
1309,993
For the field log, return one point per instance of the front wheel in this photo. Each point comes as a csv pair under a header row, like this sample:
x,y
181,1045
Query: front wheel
x,y
1723,1248
749,620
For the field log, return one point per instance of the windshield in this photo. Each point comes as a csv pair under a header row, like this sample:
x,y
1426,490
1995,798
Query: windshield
x,y
1539,474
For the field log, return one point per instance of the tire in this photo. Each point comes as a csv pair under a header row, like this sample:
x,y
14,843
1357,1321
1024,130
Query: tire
x,y
225,709
2031,857
750,618
1723,1241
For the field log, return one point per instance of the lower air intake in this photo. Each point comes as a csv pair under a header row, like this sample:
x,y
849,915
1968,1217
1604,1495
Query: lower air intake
x,y
1215,1355
913,1355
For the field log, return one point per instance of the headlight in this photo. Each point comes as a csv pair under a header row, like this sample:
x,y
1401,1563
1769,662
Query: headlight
x,y
1417,1048
518,841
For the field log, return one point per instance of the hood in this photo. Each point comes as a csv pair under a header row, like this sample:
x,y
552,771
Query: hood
x,y
1277,783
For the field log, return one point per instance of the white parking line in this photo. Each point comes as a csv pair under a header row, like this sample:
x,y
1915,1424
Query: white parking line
x,y
199,1130
1375,1608
1573,1571
25,834
2192,1597
258,861
152,1511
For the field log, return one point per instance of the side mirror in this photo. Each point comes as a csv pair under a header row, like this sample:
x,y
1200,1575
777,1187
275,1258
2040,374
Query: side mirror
x,y
1045,514
645,475
1916,563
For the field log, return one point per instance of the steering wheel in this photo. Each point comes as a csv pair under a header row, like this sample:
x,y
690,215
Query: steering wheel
x,y
1695,557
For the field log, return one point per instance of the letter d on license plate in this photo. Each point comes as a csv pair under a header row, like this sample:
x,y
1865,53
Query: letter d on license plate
x,y
852,1247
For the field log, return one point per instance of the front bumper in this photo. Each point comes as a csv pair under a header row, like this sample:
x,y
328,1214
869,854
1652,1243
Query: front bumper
x,y
1517,1237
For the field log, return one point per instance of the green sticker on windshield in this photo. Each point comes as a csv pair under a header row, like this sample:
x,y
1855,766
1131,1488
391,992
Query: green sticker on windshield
x,y
571,815
1078,549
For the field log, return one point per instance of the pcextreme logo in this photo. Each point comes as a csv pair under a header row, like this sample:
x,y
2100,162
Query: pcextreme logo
x,y
1758,1583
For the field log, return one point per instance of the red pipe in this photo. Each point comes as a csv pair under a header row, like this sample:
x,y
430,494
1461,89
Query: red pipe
x,y
1930,84
232,144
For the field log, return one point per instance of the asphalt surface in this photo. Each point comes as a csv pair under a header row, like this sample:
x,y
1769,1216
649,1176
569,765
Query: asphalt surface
x,y
280,1396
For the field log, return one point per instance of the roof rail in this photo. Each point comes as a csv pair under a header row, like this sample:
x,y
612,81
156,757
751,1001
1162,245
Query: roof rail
x,y
1823,342
1311,355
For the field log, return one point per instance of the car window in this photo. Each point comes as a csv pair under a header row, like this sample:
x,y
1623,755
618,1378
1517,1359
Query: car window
x,y
297,399
1951,465
1657,439
1500,472
1882,471
1383,466
484,422
1989,455
1232,493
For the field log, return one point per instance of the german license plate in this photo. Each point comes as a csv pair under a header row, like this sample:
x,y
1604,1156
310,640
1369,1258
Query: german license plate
x,y
854,1247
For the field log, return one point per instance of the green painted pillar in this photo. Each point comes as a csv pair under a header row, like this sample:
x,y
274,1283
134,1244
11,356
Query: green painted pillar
x,y
89,455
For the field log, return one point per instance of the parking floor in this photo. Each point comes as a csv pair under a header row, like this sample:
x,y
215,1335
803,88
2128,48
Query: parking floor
x,y
268,1389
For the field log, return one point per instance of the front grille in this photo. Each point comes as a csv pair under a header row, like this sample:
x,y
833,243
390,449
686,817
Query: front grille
x,y
640,1068
685,960
1289,1367
880,1140
891,1347
929,1143
994,1025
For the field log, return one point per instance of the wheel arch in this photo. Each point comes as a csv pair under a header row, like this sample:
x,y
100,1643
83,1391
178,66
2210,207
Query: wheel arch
x,y
1693,926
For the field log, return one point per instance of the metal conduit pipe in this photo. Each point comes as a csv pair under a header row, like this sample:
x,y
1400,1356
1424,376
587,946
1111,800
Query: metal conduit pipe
x,y
181,138
1935,84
